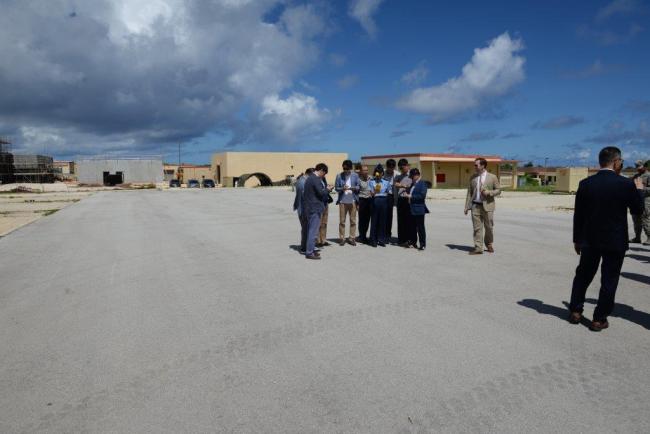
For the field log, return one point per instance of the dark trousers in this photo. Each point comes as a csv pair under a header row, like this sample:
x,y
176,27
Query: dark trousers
x,y
418,223
389,217
405,224
310,227
365,211
609,273
378,220
303,234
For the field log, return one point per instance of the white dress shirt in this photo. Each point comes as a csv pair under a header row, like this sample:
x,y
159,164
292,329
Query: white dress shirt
x,y
480,182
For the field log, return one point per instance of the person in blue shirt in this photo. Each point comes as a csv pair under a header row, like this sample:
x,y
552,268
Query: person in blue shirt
x,y
417,196
379,188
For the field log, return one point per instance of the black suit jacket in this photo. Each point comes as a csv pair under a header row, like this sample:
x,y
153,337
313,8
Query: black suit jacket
x,y
314,196
600,217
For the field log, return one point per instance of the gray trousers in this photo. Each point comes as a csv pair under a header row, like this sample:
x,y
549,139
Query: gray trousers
x,y
310,226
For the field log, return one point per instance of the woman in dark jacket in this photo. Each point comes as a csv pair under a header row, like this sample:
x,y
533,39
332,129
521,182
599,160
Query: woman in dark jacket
x,y
417,196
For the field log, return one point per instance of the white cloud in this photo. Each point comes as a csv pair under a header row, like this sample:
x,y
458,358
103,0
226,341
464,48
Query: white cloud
x,y
291,117
491,73
363,11
416,76
144,73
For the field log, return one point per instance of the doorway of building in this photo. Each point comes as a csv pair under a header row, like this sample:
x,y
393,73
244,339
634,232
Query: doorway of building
x,y
115,179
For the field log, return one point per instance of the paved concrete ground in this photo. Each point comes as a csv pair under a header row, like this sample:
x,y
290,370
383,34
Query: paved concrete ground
x,y
188,311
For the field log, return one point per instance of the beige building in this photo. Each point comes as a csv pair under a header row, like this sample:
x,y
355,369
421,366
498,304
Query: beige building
x,y
190,171
252,169
451,170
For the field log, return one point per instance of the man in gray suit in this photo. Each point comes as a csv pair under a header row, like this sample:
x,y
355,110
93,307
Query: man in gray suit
x,y
483,188
313,203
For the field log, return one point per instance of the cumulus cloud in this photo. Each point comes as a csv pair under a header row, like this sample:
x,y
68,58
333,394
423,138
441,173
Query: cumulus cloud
x,y
559,122
127,74
492,72
363,11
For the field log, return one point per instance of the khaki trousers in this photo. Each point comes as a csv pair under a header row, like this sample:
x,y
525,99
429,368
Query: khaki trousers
x,y
480,219
322,231
344,210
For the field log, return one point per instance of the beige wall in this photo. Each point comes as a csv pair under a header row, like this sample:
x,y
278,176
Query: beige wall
x,y
276,165
190,172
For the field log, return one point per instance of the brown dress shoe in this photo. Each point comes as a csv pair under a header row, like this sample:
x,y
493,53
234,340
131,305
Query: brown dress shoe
x,y
312,256
575,317
476,252
597,326
352,242
490,248
341,242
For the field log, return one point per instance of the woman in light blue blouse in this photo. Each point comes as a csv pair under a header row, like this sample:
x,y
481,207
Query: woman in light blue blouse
x,y
379,188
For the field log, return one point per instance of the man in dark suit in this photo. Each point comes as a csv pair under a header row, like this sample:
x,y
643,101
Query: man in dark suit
x,y
600,233
314,198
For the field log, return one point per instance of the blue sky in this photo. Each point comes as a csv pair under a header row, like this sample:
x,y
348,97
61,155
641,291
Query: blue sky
x,y
526,80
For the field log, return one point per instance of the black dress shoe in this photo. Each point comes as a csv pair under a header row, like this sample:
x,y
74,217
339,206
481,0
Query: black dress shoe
x,y
381,244
373,244
312,256
422,247
635,240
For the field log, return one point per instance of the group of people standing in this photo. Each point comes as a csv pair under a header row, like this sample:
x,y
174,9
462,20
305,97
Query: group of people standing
x,y
369,199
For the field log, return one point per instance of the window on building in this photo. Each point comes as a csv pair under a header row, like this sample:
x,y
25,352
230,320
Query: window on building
x,y
441,178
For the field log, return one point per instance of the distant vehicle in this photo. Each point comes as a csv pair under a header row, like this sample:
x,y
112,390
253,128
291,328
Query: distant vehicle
x,y
208,183
193,183
174,183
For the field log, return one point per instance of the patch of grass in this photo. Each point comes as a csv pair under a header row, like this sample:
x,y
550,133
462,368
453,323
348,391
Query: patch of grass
x,y
48,211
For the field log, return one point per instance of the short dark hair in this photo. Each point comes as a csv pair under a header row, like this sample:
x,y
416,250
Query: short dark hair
x,y
413,172
321,167
608,155
379,168
390,163
357,166
309,171
482,161
402,162
347,165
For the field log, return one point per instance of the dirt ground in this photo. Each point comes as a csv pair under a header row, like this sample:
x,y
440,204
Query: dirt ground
x,y
20,208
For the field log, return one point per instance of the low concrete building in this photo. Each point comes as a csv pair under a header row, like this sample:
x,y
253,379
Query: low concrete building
x,y
114,171
251,169
450,170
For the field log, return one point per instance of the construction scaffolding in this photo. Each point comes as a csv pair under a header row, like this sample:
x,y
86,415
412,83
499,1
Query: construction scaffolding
x,y
33,169
6,162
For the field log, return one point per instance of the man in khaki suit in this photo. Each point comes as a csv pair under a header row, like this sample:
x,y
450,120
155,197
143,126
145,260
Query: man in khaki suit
x,y
483,188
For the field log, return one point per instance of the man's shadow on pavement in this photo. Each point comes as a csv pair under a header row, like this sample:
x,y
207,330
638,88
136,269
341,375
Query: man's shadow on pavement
x,y
641,258
643,278
547,309
628,312
620,311
459,247
639,249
